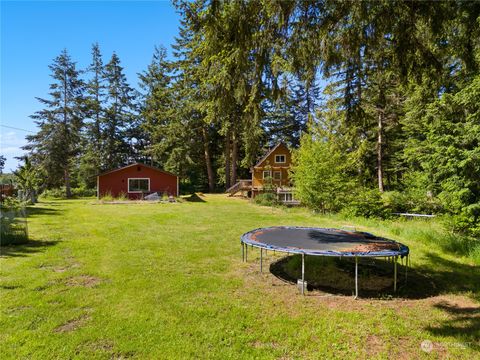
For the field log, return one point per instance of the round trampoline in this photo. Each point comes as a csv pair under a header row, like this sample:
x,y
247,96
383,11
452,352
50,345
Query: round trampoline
x,y
324,242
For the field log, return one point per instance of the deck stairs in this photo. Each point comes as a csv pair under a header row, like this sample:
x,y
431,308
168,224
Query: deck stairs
x,y
240,185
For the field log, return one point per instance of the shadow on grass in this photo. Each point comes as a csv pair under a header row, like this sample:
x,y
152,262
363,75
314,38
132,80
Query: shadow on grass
x,y
36,210
26,249
194,198
452,276
463,323
337,276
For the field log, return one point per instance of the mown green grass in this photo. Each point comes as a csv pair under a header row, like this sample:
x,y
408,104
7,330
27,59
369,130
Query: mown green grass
x,y
167,281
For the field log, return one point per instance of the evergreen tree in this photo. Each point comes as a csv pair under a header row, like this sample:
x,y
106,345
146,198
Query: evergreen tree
x,y
96,96
157,106
286,116
56,146
91,163
119,116
449,154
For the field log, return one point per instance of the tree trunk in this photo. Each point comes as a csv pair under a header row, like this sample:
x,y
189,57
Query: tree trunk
x,y
208,160
234,159
228,182
381,114
68,190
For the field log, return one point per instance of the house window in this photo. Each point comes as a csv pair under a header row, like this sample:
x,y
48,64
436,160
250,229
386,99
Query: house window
x,y
285,197
280,159
277,175
267,174
136,185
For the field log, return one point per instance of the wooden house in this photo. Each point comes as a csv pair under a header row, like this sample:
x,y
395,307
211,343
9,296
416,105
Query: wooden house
x,y
270,173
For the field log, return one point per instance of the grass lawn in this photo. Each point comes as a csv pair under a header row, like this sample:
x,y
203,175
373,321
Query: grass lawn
x,y
168,281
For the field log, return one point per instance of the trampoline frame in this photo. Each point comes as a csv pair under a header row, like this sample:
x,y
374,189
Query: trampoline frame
x,y
391,255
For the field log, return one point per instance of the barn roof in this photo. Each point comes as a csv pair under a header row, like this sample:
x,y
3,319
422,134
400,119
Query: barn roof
x,y
137,164
268,154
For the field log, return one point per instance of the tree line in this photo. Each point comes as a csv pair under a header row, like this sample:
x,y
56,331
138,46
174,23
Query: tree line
x,y
396,126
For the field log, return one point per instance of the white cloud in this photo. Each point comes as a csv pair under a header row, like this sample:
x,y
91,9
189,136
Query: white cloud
x,y
10,146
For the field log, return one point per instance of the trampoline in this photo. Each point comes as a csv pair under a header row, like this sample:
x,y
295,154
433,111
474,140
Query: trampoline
x,y
324,242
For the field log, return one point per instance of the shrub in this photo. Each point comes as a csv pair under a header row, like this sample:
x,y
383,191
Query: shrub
x,y
122,196
367,203
13,226
396,201
83,192
60,193
266,199
107,196
165,197
57,193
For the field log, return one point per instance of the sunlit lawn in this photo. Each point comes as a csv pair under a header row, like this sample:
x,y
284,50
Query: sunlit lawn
x,y
167,281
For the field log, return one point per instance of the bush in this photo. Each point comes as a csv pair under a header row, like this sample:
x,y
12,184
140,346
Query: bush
x,y
57,193
83,192
13,223
396,201
367,203
60,193
107,197
266,199
122,197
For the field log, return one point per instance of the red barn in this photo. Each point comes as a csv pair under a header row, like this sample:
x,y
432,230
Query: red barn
x,y
136,181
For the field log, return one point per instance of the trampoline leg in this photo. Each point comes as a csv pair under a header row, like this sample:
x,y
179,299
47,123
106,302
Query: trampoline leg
x,y
406,268
243,252
356,277
261,260
303,274
246,252
395,274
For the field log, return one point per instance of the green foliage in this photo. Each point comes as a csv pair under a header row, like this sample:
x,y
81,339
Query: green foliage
x,y
55,193
366,203
81,192
7,179
58,141
28,178
449,155
320,173
266,199
59,193
107,196
13,223
119,119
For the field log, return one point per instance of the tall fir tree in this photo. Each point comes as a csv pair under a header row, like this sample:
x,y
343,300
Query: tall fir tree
x,y
91,162
120,113
56,146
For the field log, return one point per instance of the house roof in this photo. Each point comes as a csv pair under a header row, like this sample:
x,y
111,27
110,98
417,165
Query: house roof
x,y
268,154
137,164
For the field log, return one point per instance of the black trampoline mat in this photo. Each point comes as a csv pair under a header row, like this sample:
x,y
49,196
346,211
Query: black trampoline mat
x,y
322,240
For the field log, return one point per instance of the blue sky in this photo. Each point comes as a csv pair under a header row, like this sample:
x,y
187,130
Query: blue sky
x,y
34,32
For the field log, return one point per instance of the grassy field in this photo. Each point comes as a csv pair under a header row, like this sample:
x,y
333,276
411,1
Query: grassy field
x,y
167,281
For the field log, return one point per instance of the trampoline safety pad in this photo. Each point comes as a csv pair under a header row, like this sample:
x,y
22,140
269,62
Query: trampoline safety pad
x,y
323,242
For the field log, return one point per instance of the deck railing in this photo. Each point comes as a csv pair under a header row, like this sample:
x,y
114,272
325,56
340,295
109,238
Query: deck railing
x,y
239,186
